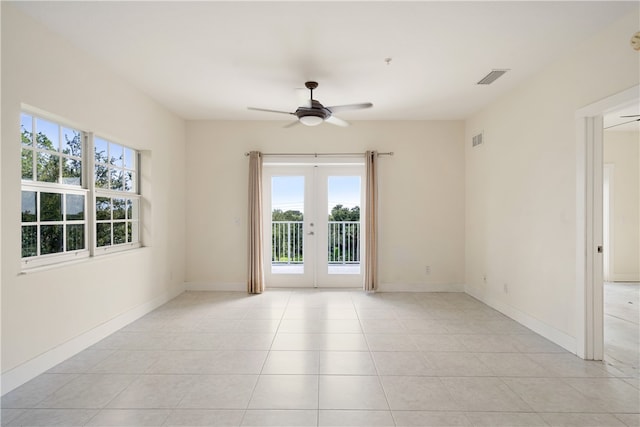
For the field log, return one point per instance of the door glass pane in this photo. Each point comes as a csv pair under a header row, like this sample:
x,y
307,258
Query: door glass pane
x,y
287,215
343,242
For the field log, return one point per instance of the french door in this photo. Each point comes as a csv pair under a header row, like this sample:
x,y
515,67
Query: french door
x,y
312,222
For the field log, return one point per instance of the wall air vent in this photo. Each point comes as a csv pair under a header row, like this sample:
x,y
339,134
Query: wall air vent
x,y
476,140
492,77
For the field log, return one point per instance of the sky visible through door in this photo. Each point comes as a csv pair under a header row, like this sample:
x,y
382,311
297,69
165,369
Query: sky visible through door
x,y
288,192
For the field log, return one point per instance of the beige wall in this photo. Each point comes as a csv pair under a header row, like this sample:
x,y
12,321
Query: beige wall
x,y
43,310
521,184
622,150
421,193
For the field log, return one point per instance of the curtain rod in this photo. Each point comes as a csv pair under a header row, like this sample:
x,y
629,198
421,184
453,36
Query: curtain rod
x,y
390,153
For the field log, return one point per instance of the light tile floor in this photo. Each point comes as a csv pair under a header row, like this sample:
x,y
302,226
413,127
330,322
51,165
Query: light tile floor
x,y
622,326
325,358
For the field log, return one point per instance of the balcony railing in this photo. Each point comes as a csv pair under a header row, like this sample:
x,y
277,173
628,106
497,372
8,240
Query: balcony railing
x,y
287,242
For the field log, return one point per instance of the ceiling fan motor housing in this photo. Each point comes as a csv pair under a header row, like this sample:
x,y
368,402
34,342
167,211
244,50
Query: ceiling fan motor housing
x,y
316,110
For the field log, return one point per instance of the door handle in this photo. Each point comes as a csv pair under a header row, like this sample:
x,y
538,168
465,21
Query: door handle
x,y
311,233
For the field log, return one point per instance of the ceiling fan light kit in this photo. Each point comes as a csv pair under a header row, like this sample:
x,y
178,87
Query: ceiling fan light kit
x,y
311,120
314,113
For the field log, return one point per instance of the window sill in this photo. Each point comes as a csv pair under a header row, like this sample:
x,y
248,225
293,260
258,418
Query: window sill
x,y
84,259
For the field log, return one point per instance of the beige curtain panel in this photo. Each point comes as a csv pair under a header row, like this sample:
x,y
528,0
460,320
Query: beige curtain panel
x,y
371,222
255,268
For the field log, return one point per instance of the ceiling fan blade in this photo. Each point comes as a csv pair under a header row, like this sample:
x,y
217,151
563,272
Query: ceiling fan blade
x,y
338,122
269,111
633,115
338,108
292,124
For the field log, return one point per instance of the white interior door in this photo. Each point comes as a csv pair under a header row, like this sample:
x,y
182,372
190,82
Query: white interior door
x,y
313,236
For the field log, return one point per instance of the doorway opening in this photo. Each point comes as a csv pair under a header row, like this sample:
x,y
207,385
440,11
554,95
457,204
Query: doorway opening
x,y
591,232
621,238
312,223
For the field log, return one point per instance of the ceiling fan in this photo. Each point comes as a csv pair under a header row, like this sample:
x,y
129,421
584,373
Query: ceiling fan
x,y
313,112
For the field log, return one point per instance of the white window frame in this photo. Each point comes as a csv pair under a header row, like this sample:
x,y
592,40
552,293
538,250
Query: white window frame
x,y
86,188
45,259
115,194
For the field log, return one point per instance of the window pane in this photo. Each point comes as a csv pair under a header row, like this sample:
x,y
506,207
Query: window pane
x,y
119,206
72,142
116,154
47,136
29,209
119,233
102,176
26,129
72,172
50,207
132,232
48,167
75,237
103,208
29,241
50,239
116,179
132,209
75,207
27,164
101,148
129,158
129,181
103,234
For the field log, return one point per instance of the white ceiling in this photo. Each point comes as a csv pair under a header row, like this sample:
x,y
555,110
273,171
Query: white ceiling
x,y
210,60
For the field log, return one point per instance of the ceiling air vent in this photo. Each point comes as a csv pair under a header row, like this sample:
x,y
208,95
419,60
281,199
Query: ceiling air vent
x,y
491,77
476,140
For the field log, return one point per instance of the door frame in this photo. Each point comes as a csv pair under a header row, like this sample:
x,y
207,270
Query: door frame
x,y
297,165
608,226
589,167
307,278
325,279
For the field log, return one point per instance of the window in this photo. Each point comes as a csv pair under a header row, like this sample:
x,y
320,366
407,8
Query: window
x,y
116,204
115,166
58,221
52,222
50,152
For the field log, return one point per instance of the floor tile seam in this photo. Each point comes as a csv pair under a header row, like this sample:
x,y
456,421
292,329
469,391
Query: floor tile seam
x,y
590,399
74,376
518,394
164,420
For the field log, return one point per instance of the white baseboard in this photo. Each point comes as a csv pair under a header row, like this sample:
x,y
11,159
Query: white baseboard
x,y
420,287
208,286
28,370
384,287
552,334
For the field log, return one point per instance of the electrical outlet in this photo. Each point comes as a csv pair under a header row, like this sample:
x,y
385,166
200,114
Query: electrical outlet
x,y
505,287
427,269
